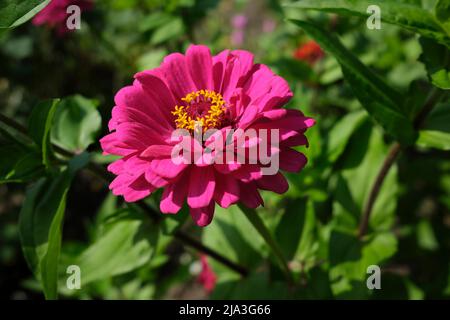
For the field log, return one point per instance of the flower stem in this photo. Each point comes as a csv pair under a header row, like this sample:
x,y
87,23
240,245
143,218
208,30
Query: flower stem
x,y
388,162
259,225
435,96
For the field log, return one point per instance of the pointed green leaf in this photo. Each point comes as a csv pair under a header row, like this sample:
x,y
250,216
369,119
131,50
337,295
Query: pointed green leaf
x,y
40,224
16,12
39,126
406,15
382,102
127,243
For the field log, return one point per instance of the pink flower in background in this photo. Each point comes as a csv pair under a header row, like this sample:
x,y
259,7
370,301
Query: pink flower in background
x,y
207,277
226,91
239,22
268,26
55,14
237,38
310,52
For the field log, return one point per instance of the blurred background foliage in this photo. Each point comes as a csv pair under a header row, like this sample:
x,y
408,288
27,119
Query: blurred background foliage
x,y
123,254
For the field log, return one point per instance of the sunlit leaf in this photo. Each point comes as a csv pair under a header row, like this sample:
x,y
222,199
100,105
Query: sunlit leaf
x,y
40,124
40,224
406,15
76,124
15,12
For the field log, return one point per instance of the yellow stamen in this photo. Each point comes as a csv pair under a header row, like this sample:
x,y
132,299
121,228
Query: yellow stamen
x,y
185,115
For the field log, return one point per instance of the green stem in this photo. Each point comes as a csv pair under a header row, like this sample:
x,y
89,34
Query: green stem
x,y
435,96
259,225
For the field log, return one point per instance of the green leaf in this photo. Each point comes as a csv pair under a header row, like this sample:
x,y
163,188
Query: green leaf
x,y
127,243
340,133
153,21
442,11
441,79
15,12
436,59
349,259
383,103
308,244
150,60
408,16
426,237
264,232
76,124
360,164
19,163
40,124
434,139
436,129
172,222
168,31
40,224
290,228
234,237
296,232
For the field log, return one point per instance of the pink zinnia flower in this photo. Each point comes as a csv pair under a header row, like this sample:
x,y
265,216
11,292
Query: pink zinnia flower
x,y
222,92
55,14
310,52
207,277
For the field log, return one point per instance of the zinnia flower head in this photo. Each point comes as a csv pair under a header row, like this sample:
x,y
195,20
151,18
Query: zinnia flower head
x,y
223,92
55,14
309,52
207,277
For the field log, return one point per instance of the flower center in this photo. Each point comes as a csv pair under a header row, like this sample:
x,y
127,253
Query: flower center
x,y
203,108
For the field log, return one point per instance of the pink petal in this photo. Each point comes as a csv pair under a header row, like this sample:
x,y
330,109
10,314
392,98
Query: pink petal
x,y
146,109
116,167
237,70
297,139
135,165
219,66
157,151
292,160
248,172
279,94
112,145
133,188
227,168
160,96
203,216
137,136
226,192
155,179
177,76
201,187
276,183
166,168
173,196
250,195
258,84
199,62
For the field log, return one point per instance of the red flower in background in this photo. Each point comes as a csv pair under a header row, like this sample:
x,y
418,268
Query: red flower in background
x,y
55,15
309,52
207,276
